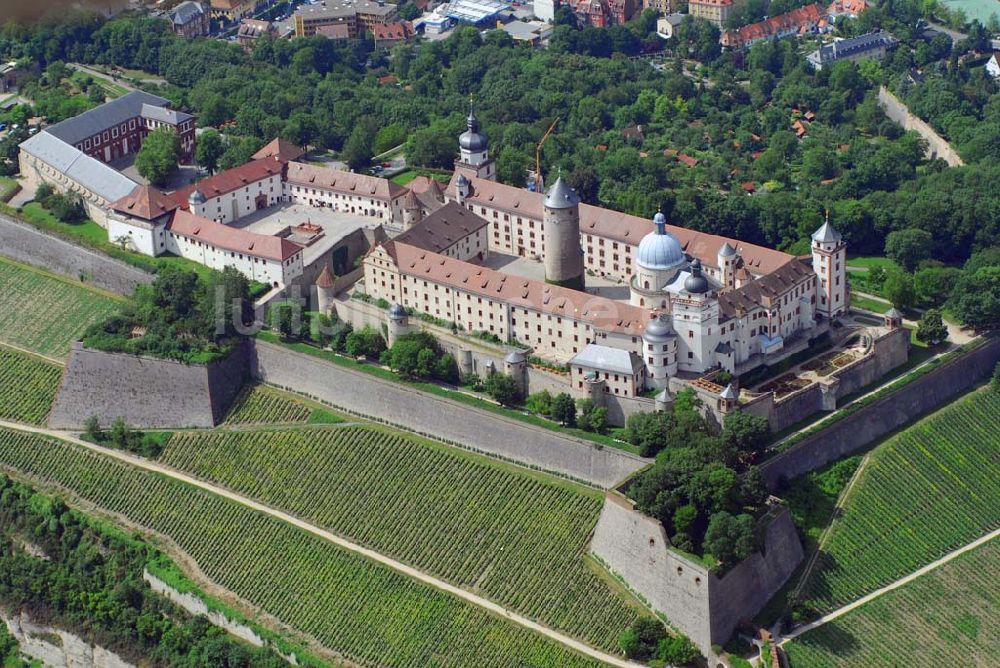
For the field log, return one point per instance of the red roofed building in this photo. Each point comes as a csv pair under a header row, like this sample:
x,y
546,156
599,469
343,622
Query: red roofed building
x,y
389,34
235,193
847,7
360,194
796,22
603,13
285,150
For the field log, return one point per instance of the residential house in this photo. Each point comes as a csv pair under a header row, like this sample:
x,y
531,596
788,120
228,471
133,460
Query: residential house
x,y
189,19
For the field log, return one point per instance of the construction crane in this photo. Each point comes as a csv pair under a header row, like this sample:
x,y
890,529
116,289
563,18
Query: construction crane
x,y
538,156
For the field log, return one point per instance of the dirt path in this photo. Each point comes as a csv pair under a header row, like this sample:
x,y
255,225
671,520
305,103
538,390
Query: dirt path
x,y
895,585
28,351
409,571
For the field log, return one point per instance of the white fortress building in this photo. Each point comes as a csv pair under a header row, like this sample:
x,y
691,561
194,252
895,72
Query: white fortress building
x,y
696,301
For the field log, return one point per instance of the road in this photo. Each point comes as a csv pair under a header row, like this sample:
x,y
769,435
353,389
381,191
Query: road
x,y
409,571
895,585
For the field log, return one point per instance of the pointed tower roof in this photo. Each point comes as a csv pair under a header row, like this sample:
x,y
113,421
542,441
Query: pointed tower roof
x,y
826,234
325,279
561,196
727,250
410,202
729,392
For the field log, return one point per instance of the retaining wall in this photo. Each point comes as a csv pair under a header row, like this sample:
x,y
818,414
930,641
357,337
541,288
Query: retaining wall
x,y
24,243
701,605
937,146
146,392
441,418
884,415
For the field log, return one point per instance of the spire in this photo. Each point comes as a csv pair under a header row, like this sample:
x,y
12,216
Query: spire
x,y
472,122
660,221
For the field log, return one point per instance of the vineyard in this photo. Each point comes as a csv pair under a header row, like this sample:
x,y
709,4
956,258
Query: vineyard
x,y
511,536
949,617
27,386
367,613
45,313
925,492
257,404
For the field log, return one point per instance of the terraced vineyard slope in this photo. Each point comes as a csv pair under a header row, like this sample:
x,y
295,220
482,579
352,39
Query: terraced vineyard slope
x,y
515,537
949,617
45,313
28,385
925,492
258,404
366,612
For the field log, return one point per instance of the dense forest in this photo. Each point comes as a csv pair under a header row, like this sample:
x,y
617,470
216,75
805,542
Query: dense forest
x,y
768,146
67,570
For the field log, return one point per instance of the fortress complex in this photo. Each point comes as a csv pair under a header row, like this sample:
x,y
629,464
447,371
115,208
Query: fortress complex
x,y
696,301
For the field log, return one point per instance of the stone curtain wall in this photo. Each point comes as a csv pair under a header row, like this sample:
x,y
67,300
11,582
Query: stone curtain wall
x,y
937,146
439,418
27,244
884,415
888,352
704,607
146,392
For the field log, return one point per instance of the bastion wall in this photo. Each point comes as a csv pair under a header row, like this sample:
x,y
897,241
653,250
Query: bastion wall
x,y
24,243
701,605
146,392
883,415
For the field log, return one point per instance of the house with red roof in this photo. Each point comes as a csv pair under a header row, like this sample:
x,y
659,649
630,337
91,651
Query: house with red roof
x,y
804,20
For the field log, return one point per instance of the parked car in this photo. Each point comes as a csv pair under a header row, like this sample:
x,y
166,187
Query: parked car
x,y
3,126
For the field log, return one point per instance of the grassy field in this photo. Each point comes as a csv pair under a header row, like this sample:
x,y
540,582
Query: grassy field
x,y
45,313
870,261
924,492
408,175
261,405
517,537
27,386
7,188
949,617
868,304
367,613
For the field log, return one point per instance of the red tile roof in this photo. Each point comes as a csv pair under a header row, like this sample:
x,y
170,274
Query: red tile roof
x,y
145,202
325,279
797,20
230,180
398,30
284,149
602,313
233,239
687,160
313,176
622,227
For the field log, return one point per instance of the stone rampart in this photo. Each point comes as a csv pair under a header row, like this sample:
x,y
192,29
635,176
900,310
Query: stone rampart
x,y
937,146
24,243
146,392
701,605
883,415
441,418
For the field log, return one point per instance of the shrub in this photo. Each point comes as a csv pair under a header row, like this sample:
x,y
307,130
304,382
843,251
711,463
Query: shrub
x,y
641,640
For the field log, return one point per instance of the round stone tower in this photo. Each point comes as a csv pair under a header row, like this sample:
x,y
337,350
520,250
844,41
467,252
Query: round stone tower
x,y
561,225
515,365
324,290
411,210
660,345
399,323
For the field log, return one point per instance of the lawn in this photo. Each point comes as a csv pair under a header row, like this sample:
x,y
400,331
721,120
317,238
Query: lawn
x,y
924,492
408,175
868,304
949,617
870,262
359,609
517,537
44,312
8,187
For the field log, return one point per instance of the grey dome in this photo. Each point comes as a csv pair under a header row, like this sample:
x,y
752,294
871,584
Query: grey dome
x,y
658,329
196,197
659,249
561,196
472,139
397,312
696,283
514,357
727,250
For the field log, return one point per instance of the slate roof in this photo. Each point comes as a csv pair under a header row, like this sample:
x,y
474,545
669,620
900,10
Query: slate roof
x,y
443,228
843,48
186,12
164,115
606,358
760,292
621,227
92,174
187,224
312,176
89,123
602,313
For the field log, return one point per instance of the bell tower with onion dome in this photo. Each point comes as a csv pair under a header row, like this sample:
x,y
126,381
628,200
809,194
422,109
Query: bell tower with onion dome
x,y
474,159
